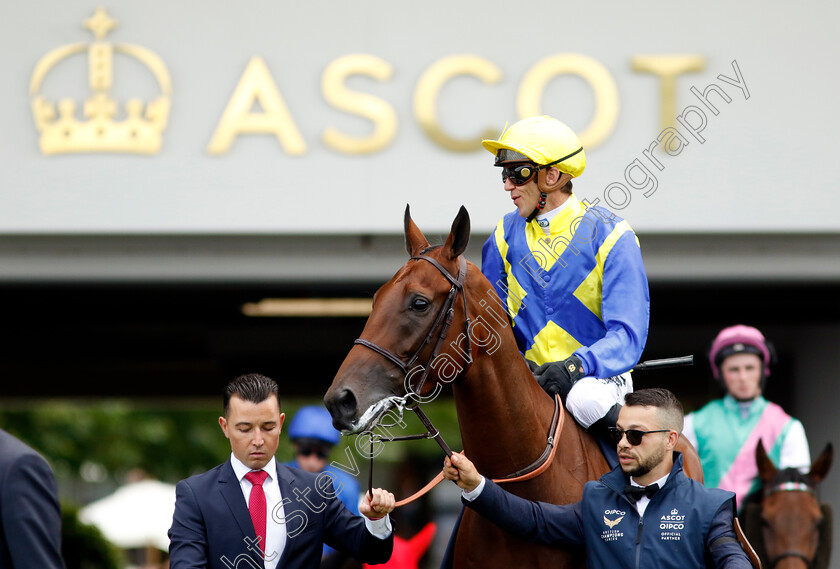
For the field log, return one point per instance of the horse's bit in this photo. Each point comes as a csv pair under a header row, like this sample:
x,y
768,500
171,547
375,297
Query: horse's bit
x,y
445,316
791,487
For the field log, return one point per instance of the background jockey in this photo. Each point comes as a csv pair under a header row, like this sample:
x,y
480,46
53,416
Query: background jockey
x,y
570,274
726,431
313,437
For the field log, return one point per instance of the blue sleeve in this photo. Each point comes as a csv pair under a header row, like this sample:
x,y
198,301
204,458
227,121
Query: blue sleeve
x,y
625,311
188,534
538,522
493,266
31,514
726,552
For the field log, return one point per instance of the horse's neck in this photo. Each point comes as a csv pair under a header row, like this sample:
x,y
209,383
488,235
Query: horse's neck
x,y
503,413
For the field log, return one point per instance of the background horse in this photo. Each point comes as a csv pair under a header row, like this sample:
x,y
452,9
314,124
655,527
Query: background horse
x,y
795,531
503,414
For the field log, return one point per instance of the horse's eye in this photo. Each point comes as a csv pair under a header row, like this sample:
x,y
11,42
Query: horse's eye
x,y
420,304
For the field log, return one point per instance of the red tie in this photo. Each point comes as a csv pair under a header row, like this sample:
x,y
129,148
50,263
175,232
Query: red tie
x,y
256,504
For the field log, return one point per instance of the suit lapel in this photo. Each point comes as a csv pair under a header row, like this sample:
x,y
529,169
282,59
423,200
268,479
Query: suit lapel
x,y
231,491
287,481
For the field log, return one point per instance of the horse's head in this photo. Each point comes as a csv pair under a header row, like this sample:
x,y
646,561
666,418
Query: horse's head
x,y
790,511
407,333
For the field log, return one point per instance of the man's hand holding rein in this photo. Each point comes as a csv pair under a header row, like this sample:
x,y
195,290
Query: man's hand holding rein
x,y
462,471
377,506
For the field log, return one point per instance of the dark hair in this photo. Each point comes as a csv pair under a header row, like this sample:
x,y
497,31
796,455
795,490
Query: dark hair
x,y
567,189
670,408
251,387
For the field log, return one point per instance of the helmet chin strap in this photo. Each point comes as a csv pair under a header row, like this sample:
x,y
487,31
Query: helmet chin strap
x,y
543,194
538,209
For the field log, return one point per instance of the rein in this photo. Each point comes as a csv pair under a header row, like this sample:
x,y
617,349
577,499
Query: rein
x,y
444,320
791,487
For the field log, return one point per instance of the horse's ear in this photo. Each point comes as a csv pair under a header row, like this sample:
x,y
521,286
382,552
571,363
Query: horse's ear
x,y
766,469
459,235
822,465
415,241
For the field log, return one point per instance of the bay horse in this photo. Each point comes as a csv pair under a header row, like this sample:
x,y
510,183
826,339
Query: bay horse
x,y
794,525
503,414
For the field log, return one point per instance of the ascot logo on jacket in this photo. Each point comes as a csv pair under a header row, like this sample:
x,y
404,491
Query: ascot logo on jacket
x,y
673,524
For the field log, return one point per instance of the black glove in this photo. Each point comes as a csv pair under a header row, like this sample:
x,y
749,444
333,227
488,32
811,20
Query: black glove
x,y
558,377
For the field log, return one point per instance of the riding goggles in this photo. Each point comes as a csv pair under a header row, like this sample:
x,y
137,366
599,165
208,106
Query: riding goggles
x,y
521,174
634,436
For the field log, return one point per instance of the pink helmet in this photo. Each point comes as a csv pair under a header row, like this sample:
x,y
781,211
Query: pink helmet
x,y
739,339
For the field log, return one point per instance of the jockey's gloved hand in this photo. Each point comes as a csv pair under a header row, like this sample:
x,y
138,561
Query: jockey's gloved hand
x,y
558,377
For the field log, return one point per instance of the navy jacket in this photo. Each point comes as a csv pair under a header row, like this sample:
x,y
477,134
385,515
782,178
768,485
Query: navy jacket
x,y
211,524
681,529
30,531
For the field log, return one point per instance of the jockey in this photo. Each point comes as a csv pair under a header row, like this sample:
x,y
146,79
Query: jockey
x,y
725,431
569,274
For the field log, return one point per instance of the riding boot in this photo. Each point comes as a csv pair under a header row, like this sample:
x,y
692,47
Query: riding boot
x,y
600,430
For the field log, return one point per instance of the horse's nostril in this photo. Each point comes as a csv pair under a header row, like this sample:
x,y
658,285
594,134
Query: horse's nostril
x,y
346,404
343,408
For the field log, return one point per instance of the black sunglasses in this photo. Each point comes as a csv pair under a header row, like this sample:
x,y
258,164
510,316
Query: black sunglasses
x,y
634,436
519,175
308,450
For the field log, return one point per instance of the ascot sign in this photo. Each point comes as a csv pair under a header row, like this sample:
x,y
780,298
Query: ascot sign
x,y
141,130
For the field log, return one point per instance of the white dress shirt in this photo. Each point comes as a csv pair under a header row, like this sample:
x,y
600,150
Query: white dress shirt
x,y
275,534
643,502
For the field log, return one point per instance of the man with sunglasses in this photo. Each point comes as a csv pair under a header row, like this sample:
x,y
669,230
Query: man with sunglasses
x,y
644,513
570,274
313,437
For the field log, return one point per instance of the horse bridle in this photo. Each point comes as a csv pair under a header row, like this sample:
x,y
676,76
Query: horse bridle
x,y
446,315
791,487
444,320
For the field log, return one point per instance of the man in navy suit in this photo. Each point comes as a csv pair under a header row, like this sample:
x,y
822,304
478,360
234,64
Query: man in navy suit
x,y
645,512
30,531
252,513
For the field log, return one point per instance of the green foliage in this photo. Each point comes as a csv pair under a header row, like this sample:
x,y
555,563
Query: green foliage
x,y
171,442
168,443
83,546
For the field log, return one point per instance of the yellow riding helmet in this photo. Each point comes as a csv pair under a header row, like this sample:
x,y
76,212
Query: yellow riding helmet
x,y
544,140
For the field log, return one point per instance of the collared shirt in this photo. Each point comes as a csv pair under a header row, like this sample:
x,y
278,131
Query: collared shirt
x,y
275,533
544,219
643,502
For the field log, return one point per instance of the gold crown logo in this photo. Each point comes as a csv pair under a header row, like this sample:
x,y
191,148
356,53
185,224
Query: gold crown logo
x,y
61,131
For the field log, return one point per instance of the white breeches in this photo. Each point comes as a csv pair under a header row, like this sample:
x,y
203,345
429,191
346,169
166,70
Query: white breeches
x,y
591,397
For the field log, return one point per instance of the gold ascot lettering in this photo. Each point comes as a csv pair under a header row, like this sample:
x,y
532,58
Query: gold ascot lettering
x,y
668,67
373,108
529,99
429,86
257,85
103,125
